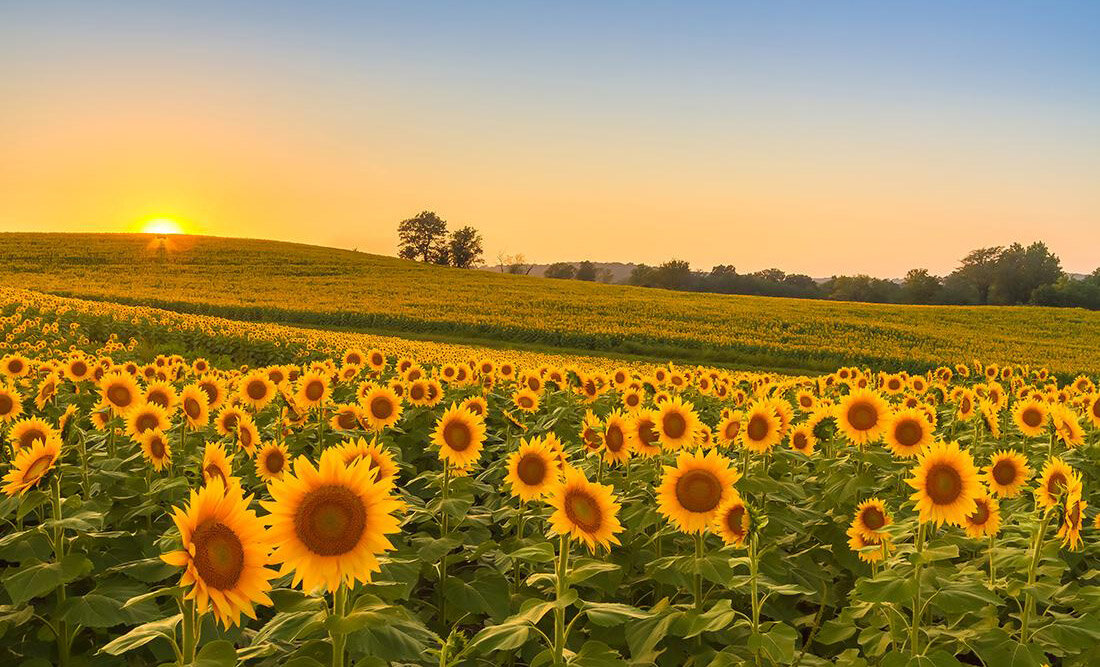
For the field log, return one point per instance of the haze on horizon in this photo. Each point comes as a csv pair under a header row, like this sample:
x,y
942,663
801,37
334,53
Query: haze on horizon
x,y
819,138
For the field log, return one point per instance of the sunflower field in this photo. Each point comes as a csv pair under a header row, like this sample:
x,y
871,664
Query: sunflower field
x,y
282,502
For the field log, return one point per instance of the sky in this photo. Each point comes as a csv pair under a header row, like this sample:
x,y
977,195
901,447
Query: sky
x,y
819,138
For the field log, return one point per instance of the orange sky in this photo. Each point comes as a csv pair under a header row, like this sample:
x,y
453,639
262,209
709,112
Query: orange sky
x,y
645,158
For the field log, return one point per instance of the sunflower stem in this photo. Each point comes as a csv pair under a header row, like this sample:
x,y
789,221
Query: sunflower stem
x,y
1036,552
561,586
698,583
339,638
754,571
59,554
914,627
992,567
84,484
444,531
188,632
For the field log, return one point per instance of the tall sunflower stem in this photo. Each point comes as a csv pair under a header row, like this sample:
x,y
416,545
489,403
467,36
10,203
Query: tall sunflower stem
x,y
444,531
992,567
59,554
561,586
339,637
754,571
1036,553
189,637
914,627
698,583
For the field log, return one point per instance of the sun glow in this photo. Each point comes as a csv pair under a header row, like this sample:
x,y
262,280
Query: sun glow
x,y
162,226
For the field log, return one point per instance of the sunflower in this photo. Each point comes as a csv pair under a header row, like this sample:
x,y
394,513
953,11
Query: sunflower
x,y
418,392
377,458
759,428
313,389
632,399
985,520
195,404
477,405
805,400
271,460
26,432
376,360
256,389
728,428
162,394
616,443
642,432
803,439
732,520
946,483
862,416
145,417
215,391
870,519
533,470
586,511
155,448
1030,417
459,435
31,464
225,549
907,432
676,423
217,465
47,389
345,417
248,435
691,491
119,391
862,545
77,368
590,432
1070,532
1067,426
382,407
1006,474
526,400
226,421
1056,479
11,403
329,524
15,365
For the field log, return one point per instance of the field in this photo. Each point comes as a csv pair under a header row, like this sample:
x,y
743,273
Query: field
x,y
266,281
184,489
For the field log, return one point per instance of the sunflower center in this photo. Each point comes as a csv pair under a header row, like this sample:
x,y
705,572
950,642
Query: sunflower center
x,y
192,408
256,390
757,428
15,366
526,402
862,416
799,440
1004,472
805,401
531,469
583,511
614,438
873,518
30,435
632,400
1032,417
735,520
39,467
330,520
646,433
1057,483
674,424
79,368
274,461
416,393
1096,408
156,447
943,484
1074,516
146,421
119,396
346,419
966,404
381,408
457,436
314,390
698,491
6,404
980,515
210,390
245,436
219,555
908,433
158,398
211,471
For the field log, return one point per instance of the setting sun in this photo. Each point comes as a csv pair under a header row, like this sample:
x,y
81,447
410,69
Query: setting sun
x,y
162,226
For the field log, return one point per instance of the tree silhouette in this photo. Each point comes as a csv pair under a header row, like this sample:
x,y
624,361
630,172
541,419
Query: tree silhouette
x,y
423,237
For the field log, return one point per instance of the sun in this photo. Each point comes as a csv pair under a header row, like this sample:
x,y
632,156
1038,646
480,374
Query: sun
x,y
162,226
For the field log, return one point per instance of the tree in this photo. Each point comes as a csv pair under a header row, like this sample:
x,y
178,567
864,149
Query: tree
x,y
465,248
978,271
586,271
674,274
564,270
921,287
516,264
423,237
1020,271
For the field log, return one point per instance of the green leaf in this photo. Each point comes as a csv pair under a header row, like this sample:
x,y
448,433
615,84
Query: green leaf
x,y
39,579
503,637
541,552
588,568
885,589
693,623
93,611
776,640
610,614
151,595
289,626
596,654
218,653
142,635
11,616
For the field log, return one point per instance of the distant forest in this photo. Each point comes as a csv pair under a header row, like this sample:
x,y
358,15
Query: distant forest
x,y
1001,275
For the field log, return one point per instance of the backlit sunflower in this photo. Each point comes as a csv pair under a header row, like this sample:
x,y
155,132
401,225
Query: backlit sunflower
x,y
732,520
1007,473
526,400
31,464
313,389
642,431
1067,426
533,470
1070,531
869,550
163,394
1030,417
215,391
15,365
946,484
119,392
586,511
226,421
1056,480
272,460
862,416
728,428
256,389
217,465
476,405
11,404
145,417
870,519
459,435
382,408
616,443
985,520
759,428
691,491
377,457
248,435
345,417
329,524
803,440
225,549
155,448
26,432
907,432
676,423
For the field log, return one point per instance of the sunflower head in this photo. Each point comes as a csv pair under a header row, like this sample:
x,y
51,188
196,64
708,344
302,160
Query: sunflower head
x,y
1007,473
1057,481
985,520
862,416
871,519
31,465
691,492
459,435
586,511
272,460
155,448
907,432
733,521
676,423
760,428
616,443
946,483
533,470
381,407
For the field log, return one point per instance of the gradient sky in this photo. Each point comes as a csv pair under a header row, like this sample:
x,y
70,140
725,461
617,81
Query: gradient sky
x,y
818,137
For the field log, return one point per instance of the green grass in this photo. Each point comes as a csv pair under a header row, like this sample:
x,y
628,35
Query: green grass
x,y
254,280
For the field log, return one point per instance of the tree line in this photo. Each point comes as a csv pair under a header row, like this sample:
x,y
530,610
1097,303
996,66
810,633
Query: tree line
x,y
424,237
